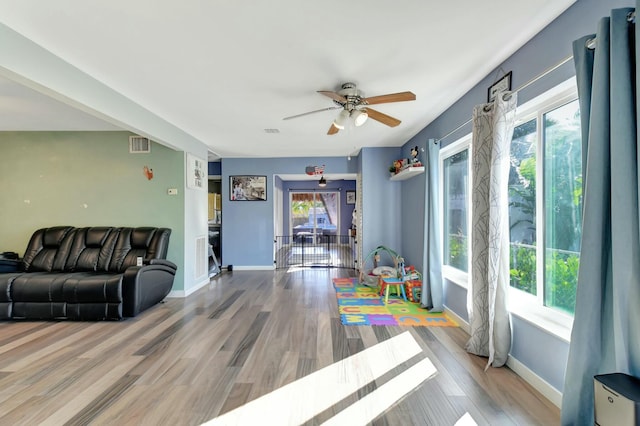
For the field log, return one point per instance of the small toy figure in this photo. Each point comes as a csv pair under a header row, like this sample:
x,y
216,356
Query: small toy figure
x,y
398,165
414,156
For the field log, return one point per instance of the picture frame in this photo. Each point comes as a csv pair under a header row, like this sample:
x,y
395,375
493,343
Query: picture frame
x,y
350,197
502,85
247,188
196,171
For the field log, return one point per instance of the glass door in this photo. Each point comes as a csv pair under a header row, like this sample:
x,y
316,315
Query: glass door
x,y
314,216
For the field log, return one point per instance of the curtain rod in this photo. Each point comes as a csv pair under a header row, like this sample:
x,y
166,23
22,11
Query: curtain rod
x,y
631,17
524,86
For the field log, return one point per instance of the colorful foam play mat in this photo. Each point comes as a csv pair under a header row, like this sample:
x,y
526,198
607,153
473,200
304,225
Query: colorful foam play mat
x,y
362,305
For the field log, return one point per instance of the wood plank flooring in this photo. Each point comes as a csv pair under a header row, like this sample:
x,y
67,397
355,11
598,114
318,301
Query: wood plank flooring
x,y
245,335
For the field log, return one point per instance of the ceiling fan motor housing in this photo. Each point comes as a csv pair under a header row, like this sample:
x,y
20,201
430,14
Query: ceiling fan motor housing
x,y
352,95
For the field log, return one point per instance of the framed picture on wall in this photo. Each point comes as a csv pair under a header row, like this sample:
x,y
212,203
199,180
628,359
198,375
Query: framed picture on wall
x,y
196,172
351,197
502,85
248,188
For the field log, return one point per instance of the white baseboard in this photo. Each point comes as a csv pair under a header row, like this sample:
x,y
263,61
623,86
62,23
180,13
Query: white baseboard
x,y
185,293
542,386
254,268
461,322
538,383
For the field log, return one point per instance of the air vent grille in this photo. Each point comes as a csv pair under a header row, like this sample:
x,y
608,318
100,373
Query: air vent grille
x,y
202,261
139,145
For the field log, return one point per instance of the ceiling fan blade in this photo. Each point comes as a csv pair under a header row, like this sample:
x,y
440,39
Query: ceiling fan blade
x,y
333,130
383,118
333,95
393,97
312,112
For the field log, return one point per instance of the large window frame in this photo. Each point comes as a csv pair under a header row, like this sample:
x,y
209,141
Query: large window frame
x,y
526,306
529,307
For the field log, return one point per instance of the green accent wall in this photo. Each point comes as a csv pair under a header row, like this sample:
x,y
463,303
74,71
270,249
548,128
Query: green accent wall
x,y
87,179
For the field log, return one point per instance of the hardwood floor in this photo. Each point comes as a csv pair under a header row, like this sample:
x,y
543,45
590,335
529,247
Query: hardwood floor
x,y
247,334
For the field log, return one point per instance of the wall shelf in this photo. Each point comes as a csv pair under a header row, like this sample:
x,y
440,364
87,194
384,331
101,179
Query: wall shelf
x,y
408,173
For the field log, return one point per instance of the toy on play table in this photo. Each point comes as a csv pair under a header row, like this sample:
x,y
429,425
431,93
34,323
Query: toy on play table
x,y
371,278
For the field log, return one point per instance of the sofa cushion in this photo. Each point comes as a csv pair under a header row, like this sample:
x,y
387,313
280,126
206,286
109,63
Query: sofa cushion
x,y
48,249
38,287
84,287
91,249
145,242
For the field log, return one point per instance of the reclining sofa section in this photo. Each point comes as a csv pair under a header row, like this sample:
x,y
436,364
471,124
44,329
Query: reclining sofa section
x,y
88,274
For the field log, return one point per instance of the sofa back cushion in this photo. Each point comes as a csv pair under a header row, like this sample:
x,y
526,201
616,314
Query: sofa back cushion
x,y
47,249
91,249
146,242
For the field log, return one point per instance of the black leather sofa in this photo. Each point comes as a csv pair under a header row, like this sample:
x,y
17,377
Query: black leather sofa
x,y
88,274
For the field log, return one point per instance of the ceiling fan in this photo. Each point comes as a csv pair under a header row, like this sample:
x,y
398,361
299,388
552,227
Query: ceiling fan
x,y
356,107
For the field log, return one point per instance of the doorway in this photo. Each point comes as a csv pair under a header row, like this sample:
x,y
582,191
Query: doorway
x,y
314,215
314,238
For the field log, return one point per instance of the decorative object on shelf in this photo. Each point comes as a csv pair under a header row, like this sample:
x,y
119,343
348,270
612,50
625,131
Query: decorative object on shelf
x,y
502,85
314,170
322,182
414,160
248,188
402,164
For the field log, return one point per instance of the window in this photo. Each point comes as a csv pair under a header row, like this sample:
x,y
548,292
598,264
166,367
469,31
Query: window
x,y
456,200
561,220
545,209
563,205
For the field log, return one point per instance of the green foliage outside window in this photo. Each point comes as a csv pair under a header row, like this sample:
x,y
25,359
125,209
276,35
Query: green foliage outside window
x,y
458,251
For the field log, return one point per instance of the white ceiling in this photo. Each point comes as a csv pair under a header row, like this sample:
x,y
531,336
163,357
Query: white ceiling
x,y
223,71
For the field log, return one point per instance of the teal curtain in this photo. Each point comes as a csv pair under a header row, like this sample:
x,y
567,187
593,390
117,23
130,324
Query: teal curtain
x,y
606,329
431,296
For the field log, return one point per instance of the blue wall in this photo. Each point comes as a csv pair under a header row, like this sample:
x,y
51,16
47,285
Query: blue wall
x,y
381,201
540,351
414,204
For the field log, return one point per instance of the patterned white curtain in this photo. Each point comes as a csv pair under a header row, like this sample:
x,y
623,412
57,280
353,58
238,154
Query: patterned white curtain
x,y
487,297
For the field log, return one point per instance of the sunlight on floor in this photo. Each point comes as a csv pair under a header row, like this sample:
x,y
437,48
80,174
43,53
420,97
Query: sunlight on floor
x,y
300,401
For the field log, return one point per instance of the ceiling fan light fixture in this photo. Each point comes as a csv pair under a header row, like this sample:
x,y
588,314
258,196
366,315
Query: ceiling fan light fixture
x,y
359,117
322,182
341,119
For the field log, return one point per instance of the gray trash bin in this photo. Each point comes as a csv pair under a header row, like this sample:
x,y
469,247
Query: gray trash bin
x,y
616,400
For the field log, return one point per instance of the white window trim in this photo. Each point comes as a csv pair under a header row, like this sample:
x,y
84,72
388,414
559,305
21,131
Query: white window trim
x,y
455,275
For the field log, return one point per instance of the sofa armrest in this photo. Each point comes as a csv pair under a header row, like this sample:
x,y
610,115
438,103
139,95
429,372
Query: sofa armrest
x,y
144,286
163,262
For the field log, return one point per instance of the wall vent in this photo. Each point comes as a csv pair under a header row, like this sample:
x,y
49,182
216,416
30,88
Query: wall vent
x,y
202,257
139,145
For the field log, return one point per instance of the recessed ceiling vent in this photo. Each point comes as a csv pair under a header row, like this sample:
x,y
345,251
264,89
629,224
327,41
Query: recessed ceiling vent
x,y
139,145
